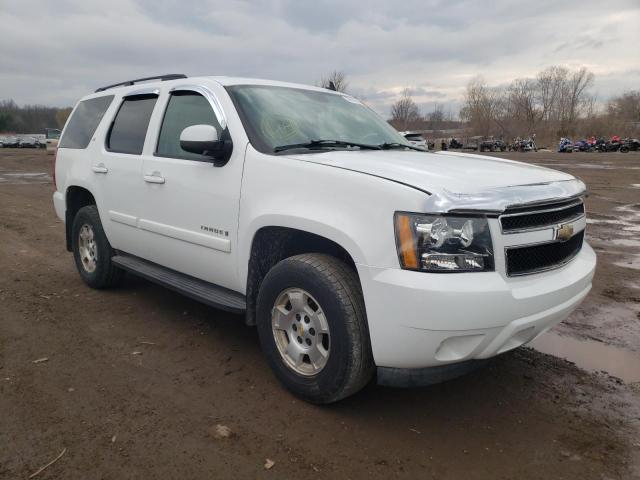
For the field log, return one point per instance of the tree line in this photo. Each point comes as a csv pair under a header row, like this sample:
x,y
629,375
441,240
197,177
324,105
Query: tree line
x,y
30,118
557,102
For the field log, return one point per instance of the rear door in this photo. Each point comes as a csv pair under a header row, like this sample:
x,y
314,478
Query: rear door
x,y
191,206
118,171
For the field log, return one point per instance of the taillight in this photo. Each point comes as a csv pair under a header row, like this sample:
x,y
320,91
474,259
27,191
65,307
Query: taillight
x,y
55,156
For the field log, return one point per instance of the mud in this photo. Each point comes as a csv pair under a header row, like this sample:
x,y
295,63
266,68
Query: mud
x,y
136,379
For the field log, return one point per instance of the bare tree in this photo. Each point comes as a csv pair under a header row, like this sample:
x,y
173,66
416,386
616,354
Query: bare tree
x,y
578,84
625,107
548,91
404,112
484,108
339,80
521,104
437,115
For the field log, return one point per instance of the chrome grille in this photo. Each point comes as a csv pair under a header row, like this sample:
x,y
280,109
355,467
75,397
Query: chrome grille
x,y
537,258
521,219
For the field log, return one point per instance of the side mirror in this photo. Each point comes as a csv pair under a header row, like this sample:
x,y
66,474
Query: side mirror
x,y
201,139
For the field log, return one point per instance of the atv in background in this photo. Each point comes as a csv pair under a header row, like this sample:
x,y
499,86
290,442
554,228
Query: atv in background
x,y
608,146
455,144
582,146
493,145
524,145
565,145
630,144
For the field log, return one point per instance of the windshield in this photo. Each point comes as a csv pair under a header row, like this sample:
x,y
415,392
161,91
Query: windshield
x,y
281,116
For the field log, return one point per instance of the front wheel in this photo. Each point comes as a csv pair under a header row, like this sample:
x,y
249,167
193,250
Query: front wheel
x,y
92,251
313,327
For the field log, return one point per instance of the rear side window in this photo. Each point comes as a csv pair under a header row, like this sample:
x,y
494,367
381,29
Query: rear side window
x,y
130,125
183,110
83,122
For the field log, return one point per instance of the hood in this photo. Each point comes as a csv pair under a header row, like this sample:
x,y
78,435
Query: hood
x,y
458,181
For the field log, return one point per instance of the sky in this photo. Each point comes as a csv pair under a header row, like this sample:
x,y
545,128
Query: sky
x,y
53,52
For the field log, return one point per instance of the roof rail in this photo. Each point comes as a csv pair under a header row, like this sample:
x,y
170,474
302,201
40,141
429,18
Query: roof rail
x,y
170,76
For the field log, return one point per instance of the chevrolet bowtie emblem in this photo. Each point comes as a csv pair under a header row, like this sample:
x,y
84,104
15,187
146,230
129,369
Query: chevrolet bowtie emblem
x,y
564,232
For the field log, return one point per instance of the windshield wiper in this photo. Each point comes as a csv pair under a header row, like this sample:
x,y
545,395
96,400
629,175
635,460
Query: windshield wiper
x,y
390,145
311,144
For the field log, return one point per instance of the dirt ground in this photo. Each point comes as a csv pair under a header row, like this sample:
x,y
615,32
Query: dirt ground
x,y
137,378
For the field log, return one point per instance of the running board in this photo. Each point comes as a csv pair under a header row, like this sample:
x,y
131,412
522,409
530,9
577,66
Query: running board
x,y
205,292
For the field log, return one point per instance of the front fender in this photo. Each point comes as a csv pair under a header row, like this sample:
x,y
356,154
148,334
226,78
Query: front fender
x,y
352,209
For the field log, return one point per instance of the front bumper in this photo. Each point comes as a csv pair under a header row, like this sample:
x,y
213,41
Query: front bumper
x,y
419,320
59,205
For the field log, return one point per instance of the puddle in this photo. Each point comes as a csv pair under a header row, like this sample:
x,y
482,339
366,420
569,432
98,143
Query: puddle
x,y
21,178
591,356
635,185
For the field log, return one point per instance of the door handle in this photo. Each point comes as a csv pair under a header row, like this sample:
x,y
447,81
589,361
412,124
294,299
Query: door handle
x,y
155,177
100,168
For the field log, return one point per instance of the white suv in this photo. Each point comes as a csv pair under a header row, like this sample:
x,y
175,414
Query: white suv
x,y
355,253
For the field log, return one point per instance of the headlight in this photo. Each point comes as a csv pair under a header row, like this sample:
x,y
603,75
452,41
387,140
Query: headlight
x,y
440,243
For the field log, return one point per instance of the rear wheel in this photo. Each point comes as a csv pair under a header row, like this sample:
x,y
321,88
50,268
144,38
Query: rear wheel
x,y
92,251
313,328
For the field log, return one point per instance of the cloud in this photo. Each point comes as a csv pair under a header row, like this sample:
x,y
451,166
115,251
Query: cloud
x,y
55,52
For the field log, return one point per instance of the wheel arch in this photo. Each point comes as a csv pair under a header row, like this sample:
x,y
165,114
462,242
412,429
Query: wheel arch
x,y
76,197
273,243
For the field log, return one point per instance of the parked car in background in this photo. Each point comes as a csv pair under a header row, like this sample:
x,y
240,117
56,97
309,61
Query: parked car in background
x,y
473,143
11,142
52,136
27,142
416,139
356,254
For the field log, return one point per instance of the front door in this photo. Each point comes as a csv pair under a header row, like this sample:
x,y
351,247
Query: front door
x,y
191,206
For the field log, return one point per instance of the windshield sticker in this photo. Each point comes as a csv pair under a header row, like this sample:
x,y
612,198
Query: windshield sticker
x,y
279,128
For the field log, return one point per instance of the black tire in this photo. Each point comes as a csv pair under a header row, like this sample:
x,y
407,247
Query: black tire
x,y
335,286
105,274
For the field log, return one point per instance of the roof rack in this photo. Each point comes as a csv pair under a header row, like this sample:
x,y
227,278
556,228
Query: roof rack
x,y
162,78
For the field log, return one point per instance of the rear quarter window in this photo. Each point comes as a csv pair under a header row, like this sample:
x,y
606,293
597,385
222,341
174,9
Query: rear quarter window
x,y
83,122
